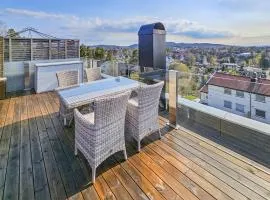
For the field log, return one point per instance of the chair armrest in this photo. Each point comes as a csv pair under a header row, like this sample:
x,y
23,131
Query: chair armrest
x,y
79,118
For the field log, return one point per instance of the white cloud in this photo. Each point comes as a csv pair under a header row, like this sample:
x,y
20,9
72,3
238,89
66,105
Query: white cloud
x,y
78,26
39,14
3,28
124,31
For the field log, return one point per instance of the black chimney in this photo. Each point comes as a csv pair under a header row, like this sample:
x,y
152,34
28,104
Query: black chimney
x,y
152,46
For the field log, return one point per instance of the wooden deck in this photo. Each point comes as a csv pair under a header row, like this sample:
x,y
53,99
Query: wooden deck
x,y
37,162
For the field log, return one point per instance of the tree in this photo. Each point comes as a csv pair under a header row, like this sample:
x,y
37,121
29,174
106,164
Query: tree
x,y
99,53
86,52
109,56
134,57
212,60
126,55
179,67
12,33
191,60
232,59
265,62
90,52
83,51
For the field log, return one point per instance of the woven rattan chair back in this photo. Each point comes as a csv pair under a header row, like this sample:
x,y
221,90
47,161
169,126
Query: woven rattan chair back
x,y
67,78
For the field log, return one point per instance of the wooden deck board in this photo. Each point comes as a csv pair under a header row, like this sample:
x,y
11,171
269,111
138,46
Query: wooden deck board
x,y
37,162
13,166
207,160
26,168
41,187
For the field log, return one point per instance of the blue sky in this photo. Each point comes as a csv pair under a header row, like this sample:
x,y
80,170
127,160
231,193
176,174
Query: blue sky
x,y
243,22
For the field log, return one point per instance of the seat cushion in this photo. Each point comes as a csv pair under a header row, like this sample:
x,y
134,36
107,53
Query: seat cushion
x,y
90,117
134,102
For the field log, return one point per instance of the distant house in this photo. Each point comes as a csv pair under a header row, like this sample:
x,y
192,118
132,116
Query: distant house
x,y
246,54
244,96
229,66
253,71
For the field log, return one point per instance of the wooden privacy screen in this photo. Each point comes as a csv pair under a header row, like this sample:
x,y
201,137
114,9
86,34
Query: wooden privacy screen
x,y
1,56
25,49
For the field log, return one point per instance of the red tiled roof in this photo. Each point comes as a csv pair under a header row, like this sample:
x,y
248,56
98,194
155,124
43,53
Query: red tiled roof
x,y
204,89
262,86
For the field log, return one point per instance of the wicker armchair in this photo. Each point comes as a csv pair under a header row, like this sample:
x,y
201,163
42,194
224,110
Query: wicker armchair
x,y
142,112
66,79
92,74
100,134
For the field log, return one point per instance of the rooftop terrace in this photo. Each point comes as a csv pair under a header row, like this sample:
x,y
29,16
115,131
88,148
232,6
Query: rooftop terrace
x,y
37,162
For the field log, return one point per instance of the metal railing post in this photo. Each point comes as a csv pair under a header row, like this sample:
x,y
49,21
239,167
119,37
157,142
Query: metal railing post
x,y
173,97
10,49
50,49
2,52
66,54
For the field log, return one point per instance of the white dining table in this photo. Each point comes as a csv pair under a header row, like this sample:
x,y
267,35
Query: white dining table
x,y
86,93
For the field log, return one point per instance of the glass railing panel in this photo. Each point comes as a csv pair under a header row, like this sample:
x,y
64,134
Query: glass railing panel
x,y
189,85
151,76
109,68
231,109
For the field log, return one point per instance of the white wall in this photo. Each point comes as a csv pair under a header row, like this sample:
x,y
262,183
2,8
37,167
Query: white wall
x,y
216,98
261,106
204,98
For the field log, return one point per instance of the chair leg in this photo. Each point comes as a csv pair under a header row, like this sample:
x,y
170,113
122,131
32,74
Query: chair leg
x,y
139,145
75,150
125,153
93,174
159,132
70,121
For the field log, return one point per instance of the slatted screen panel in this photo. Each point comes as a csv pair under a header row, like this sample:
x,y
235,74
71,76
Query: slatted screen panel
x,y
72,49
1,56
6,50
40,49
57,49
21,49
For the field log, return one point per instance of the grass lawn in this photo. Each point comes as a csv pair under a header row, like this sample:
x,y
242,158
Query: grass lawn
x,y
190,97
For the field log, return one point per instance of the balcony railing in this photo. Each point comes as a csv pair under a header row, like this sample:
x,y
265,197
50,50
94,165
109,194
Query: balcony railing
x,y
186,103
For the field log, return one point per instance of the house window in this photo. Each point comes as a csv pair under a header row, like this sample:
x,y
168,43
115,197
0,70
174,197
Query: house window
x,y
260,113
260,98
240,94
240,108
228,104
227,91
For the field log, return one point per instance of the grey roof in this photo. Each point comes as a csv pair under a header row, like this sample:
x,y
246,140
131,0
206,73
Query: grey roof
x,y
149,28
